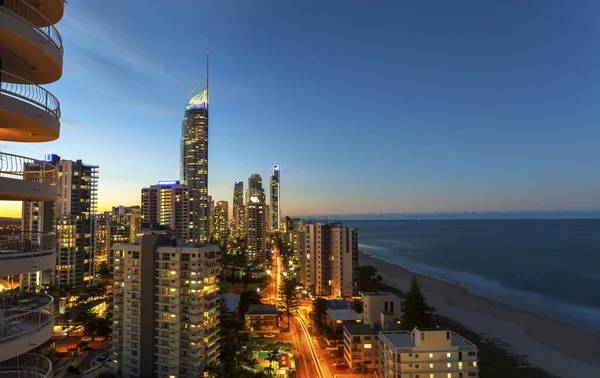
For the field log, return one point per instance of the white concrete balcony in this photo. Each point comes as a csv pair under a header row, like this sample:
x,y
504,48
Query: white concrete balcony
x,y
25,179
32,48
26,322
27,252
28,112
27,365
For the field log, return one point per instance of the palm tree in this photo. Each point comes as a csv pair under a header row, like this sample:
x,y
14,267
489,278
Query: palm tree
x,y
361,368
273,356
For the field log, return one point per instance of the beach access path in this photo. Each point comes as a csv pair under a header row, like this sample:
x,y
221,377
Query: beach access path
x,y
557,347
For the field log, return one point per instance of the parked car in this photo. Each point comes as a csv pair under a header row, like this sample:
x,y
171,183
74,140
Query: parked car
x,y
269,336
86,338
99,338
341,367
255,336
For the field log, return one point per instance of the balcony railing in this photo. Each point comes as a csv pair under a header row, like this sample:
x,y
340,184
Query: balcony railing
x,y
22,89
27,169
26,244
27,366
23,313
28,14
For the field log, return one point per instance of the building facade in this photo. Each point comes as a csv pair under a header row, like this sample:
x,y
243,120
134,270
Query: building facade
x,y
361,344
383,310
331,259
75,206
256,232
31,55
239,214
165,308
255,189
220,223
194,157
426,353
170,204
275,192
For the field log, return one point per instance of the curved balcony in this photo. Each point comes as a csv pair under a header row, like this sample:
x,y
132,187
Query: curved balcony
x,y
27,365
26,321
28,112
25,179
32,48
53,10
27,252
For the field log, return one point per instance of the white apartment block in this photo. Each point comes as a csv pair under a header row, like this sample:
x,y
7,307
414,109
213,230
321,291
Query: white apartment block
x,y
426,353
331,259
165,308
361,344
382,310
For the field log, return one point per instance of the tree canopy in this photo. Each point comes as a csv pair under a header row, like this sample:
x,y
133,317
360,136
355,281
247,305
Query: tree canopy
x,y
416,311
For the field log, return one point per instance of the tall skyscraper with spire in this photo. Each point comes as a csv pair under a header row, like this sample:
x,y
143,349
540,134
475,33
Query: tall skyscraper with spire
x,y
274,201
194,156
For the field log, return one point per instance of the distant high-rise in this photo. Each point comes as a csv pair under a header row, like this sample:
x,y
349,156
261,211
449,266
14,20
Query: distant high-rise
x,y
75,206
194,155
275,197
256,231
114,227
172,205
220,224
331,261
239,217
255,188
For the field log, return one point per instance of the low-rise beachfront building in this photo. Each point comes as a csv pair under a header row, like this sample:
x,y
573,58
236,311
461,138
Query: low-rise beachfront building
x,y
337,319
361,344
426,353
382,310
261,317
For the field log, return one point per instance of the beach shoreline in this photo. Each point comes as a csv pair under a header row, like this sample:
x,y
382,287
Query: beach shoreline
x,y
562,349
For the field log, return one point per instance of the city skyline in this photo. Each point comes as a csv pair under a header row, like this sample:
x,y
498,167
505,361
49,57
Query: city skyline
x,y
452,119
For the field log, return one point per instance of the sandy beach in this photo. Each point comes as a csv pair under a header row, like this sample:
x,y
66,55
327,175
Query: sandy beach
x,y
560,348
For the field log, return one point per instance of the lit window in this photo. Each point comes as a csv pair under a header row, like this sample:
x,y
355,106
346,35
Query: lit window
x,y
475,363
460,365
430,355
449,364
449,375
431,366
448,355
367,346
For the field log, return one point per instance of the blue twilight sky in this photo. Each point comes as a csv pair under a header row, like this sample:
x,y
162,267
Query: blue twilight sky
x,y
368,106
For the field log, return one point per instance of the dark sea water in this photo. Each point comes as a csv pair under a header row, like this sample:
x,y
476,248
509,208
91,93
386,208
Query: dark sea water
x,y
550,267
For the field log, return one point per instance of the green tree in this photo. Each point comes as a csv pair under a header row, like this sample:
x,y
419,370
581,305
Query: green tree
x,y
416,311
288,298
361,368
292,374
358,306
273,356
320,308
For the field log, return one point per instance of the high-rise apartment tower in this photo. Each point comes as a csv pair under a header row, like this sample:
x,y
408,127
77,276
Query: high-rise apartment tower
x,y
275,197
194,155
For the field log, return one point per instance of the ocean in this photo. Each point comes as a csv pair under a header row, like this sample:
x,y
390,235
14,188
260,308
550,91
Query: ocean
x,y
550,267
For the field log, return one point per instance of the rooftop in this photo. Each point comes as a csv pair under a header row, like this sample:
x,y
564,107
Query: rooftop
x,y
339,304
360,329
404,339
258,309
377,293
344,315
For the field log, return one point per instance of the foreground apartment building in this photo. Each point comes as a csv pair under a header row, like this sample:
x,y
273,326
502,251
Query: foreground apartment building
x,y
165,307
426,353
31,54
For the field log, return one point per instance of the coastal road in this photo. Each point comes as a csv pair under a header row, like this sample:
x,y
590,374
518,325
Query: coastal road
x,y
308,350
